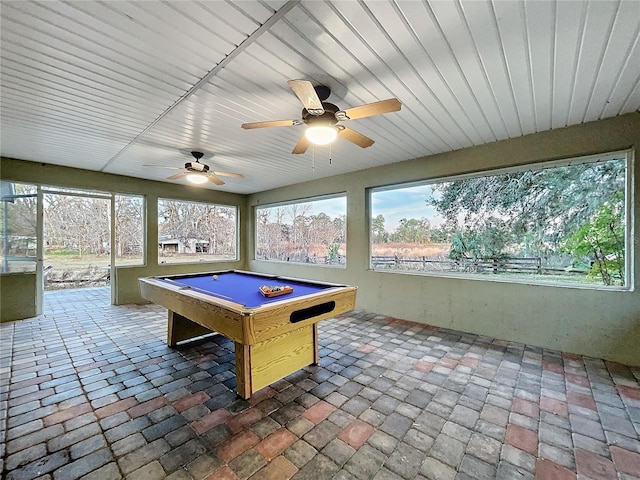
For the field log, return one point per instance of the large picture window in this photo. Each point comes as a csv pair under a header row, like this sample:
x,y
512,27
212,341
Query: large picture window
x,y
196,232
18,226
311,231
564,222
129,224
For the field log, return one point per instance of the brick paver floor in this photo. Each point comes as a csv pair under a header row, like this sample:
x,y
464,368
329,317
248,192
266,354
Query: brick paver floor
x,y
91,391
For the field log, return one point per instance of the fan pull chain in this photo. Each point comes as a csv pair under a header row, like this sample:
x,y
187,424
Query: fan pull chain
x,y
313,159
330,154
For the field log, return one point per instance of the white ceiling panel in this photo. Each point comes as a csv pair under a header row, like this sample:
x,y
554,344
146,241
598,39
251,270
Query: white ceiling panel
x,y
566,57
623,36
597,27
114,86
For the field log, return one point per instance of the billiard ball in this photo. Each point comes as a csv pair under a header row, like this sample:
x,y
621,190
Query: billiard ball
x,y
215,277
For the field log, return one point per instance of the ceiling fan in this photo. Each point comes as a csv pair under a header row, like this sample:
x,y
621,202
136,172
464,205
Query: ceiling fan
x,y
322,117
197,172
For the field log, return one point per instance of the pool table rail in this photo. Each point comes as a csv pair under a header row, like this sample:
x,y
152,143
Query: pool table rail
x,y
280,317
224,317
247,325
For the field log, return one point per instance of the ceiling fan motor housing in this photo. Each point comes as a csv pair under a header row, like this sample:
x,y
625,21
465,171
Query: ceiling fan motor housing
x,y
196,167
327,118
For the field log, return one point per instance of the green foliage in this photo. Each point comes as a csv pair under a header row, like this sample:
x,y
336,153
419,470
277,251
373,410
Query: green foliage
x,y
462,246
571,218
411,230
601,239
62,253
486,244
378,233
576,210
541,206
332,252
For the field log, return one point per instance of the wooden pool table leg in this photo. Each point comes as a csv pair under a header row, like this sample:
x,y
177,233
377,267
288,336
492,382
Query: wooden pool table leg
x,y
316,350
243,369
180,328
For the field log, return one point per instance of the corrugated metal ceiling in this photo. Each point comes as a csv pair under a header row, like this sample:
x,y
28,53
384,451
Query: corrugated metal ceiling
x,y
112,86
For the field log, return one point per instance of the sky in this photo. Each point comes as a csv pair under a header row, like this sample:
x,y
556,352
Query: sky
x,y
393,205
333,207
408,202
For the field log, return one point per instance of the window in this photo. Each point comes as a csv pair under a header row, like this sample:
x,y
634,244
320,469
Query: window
x,y
18,215
129,224
196,232
564,222
311,231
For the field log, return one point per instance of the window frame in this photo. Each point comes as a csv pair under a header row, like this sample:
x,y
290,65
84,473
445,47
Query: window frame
x,y
285,203
5,238
236,208
538,165
145,242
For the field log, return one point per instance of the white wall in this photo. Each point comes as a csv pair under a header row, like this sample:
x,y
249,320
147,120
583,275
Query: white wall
x,y
604,324
17,296
127,290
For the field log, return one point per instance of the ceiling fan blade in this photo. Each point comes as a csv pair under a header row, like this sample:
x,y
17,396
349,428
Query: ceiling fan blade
x,y
370,109
213,179
227,174
177,176
355,137
163,166
272,123
302,145
307,95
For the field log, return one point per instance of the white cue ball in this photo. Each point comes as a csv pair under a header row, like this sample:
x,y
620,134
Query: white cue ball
x,y
215,277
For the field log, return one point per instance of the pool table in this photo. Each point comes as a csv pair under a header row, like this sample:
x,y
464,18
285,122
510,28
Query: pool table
x,y
273,336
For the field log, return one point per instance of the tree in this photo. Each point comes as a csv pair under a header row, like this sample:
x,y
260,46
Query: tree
x,y
321,229
543,205
17,222
442,234
601,240
378,233
489,243
192,221
21,209
297,213
340,225
273,234
291,232
129,225
411,230
76,223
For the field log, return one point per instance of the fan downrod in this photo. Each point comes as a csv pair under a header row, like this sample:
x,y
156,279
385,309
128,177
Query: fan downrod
x,y
322,91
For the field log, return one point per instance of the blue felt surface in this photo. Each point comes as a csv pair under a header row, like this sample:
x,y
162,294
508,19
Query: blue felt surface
x,y
242,288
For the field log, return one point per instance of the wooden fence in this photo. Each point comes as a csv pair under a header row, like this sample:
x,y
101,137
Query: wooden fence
x,y
532,265
304,258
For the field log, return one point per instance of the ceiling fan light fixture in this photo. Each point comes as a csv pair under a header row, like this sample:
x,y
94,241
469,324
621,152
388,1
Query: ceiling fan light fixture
x,y
321,134
197,178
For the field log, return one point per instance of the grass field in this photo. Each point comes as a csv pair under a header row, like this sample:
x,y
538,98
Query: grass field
x,y
70,270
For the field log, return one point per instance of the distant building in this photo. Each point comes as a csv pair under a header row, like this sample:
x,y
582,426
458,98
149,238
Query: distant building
x,y
173,245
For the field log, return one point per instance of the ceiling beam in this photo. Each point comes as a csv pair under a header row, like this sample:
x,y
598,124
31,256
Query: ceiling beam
x,y
286,8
